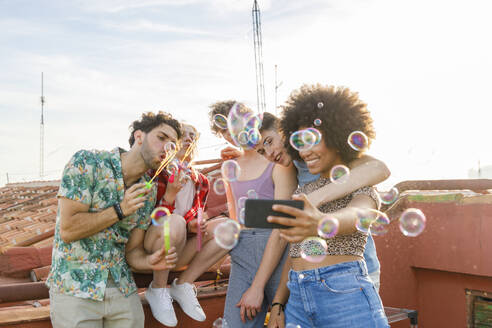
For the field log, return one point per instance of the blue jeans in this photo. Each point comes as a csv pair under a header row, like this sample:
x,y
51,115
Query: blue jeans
x,y
336,296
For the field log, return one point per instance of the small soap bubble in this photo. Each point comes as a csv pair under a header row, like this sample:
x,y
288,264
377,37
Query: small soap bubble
x,y
308,138
159,215
313,249
252,194
292,325
220,323
172,168
389,197
254,137
220,121
339,174
365,217
412,222
316,133
317,122
242,214
219,187
243,137
230,170
302,139
380,226
226,234
328,227
241,202
253,122
320,105
358,141
170,147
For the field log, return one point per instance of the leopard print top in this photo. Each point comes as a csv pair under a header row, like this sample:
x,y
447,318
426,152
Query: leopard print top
x,y
352,244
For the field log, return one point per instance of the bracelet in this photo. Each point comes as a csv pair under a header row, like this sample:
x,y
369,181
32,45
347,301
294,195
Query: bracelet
x,y
281,307
119,212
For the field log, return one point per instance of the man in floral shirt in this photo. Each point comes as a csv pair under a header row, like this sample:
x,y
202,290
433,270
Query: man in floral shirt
x,y
104,210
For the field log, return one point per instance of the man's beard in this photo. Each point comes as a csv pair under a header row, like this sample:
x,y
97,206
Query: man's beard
x,y
148,157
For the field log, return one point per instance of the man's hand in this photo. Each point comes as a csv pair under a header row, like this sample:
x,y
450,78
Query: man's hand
x,y
133,200
305,225
159,261
230,153
250,303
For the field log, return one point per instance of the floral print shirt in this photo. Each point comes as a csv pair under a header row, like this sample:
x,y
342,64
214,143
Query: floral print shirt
x,y
81,268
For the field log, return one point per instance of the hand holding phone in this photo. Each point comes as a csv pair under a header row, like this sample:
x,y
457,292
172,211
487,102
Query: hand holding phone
x,y
257,211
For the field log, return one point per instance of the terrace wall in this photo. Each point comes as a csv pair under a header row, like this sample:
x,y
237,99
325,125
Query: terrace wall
x,y
431,272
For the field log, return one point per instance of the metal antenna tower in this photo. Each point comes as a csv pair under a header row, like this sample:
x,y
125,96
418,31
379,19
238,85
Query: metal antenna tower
x,y
41,133
277,85
260,86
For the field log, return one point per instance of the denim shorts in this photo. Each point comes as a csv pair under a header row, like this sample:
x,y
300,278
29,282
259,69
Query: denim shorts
x,y
335,296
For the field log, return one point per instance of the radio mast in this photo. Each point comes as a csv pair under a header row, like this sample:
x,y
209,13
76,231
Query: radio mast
x,y
41,132
260,86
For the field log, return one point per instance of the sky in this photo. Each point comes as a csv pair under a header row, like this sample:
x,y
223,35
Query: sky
x,y
423,67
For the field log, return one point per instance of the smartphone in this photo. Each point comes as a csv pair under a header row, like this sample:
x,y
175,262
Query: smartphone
x,y
257,210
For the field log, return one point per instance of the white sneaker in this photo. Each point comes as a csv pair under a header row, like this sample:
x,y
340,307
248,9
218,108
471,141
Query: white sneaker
x,y
161,305
185,295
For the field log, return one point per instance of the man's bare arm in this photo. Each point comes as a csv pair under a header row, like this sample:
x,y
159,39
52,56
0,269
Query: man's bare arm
x,y
76,222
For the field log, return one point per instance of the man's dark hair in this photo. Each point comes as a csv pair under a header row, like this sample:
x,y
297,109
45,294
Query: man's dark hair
x,y
150,120
340,110
269,122
223,108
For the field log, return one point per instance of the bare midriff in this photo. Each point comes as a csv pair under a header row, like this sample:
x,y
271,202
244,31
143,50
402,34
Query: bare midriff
x,y
299,264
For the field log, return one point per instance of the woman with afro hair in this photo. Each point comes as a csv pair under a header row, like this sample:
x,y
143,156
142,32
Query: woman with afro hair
x,y
335,290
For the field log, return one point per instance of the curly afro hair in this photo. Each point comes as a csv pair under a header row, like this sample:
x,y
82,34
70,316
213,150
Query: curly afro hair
x,y
223,108
340,110
149,121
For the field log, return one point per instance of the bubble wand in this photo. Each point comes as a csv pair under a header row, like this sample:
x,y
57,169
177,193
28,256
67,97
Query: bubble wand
x,y
160,217
199,219
169,157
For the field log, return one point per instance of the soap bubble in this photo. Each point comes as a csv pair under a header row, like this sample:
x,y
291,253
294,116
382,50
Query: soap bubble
x,y
252,194
320,105
159,215
172,168
241,202
243,138
339,174
242,213
220,323
219,187
389,197
380,226
328,227
358,141
302,140
253,122
230,170
316,133
254,137
227,234
313,249
412,222
170,147
220,121
317,122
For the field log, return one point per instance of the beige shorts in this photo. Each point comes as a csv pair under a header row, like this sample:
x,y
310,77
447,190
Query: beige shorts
x,y
116,310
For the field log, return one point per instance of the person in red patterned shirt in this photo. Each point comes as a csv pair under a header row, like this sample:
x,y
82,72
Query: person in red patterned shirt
x,y
184,193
